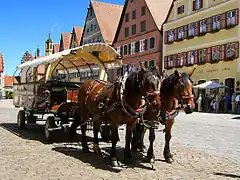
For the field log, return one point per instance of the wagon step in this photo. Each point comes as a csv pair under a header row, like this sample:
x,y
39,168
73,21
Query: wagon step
x,y
59,128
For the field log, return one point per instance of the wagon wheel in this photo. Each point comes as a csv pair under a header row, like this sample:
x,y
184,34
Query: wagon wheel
x,y
21,119
50,123
105,131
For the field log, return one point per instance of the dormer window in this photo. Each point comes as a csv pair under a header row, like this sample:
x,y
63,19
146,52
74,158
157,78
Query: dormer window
x,y
180,9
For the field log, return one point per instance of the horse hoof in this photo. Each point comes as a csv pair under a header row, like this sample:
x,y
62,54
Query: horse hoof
x,y
169,160
152,160
114,162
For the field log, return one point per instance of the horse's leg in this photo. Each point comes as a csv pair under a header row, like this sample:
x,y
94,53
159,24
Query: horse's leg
x,y
128,140
75,124
83,130
96,128
114,140
135,139
168,130
141,145
150,153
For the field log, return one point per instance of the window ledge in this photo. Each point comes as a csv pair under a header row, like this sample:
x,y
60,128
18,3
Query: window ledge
x,y
214,61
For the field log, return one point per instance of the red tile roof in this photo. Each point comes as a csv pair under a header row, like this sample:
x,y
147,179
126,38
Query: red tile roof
x,y
65,40
78,31
8,81
159,10
1,63
56,48
108,16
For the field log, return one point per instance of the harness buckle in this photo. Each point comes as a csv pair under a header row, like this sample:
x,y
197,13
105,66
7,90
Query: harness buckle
x,y
100,105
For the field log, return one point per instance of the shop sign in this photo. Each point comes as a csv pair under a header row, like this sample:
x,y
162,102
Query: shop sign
x,y
214,70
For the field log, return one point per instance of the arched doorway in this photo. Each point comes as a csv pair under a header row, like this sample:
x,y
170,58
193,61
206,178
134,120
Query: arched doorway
x,y
229,82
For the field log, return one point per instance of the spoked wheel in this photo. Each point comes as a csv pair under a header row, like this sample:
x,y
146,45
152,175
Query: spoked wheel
x,y
21,119
105,131
50,123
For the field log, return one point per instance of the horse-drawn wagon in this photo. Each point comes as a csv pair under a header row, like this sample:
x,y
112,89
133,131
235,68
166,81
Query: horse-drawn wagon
x,y
49,85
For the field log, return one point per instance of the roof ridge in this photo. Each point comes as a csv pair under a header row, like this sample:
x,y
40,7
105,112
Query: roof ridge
x,y
99,2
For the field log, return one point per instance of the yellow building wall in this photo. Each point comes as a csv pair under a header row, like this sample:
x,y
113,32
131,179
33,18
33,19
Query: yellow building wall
x,y
221,70
212,3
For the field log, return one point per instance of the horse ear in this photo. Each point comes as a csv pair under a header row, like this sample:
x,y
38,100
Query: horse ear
x,y
190,73
176,73
143,68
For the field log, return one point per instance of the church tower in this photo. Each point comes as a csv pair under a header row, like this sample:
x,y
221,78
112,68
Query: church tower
x,y
49,46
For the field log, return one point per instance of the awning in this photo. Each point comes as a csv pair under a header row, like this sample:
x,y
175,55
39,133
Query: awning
x,y
79,55
209,85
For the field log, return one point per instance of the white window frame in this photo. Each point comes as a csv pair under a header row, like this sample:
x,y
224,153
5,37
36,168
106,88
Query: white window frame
x,y
181,33
133,48
203,26
216,55
119,49
231,18
191,29
230,50
142,45
216,22
190,59
198,4
170,36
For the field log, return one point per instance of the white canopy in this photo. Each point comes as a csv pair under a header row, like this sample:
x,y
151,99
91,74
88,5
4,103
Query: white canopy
x,y
209,85
80,55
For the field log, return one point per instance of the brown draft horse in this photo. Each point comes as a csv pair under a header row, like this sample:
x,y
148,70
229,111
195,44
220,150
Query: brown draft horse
x,y
118,104
176,92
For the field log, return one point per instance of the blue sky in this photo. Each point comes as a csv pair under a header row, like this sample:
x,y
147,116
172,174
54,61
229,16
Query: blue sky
x,y
25,24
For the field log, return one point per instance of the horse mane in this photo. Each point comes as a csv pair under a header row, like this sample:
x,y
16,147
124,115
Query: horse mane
x,y
167,87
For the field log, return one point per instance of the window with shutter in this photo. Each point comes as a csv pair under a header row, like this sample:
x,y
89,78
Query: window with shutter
x,y
181,60
203,26
137,44
180,33
190,58
215,53
125,51
119,49
152,42
133,48
200,56
170,36
191,28
223,20
129,49
180,9
142,45
146,44
151,64
230,50
216,22
231,18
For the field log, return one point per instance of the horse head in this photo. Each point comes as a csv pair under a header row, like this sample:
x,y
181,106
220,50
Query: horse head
x,y
144,83
178,86
183,90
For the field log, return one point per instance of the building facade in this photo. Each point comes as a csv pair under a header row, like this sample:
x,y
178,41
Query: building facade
x,y
101,22
203,34
139,36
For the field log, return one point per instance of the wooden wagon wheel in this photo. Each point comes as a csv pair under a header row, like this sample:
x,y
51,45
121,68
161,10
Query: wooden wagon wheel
x,y
21,119
50,123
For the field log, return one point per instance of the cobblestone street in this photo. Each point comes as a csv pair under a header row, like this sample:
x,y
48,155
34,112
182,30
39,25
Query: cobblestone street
x,y
205,146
